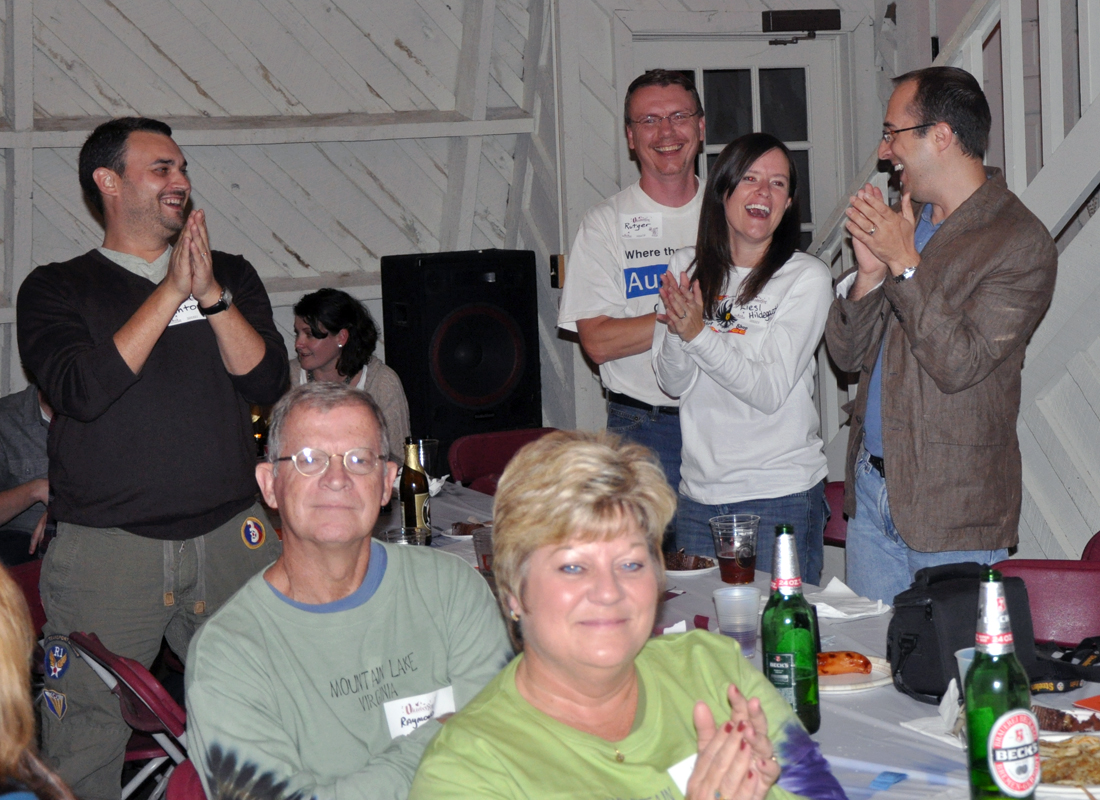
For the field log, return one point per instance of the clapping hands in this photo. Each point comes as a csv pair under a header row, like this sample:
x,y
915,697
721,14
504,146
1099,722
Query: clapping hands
x,y
737,759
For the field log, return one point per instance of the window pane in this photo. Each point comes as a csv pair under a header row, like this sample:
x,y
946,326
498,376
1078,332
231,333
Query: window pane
x,y
727,100
801,160
783,104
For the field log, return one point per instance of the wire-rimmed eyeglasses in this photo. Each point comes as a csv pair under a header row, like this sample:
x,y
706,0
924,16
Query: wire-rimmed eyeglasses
x,y
311,462
888,135
677,118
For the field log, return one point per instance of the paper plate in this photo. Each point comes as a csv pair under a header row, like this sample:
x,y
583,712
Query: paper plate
x,y
690,573
855,681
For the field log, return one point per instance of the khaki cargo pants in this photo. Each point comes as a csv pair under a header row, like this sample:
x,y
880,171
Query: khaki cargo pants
x,y
131,592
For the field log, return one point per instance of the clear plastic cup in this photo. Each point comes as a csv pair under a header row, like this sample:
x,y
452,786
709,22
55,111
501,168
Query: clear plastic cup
x,y
415,536
483,549
738,610
735,545
963,657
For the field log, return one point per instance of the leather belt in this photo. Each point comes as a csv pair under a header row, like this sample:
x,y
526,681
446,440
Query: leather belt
x,y
627,400
878,464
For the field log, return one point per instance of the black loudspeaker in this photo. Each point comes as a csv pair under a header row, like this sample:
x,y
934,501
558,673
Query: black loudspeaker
x,y
462,334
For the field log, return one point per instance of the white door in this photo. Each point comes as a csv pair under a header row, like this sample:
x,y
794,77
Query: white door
x,y
749,85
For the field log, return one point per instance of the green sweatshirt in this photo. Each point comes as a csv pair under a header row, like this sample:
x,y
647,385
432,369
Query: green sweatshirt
x,y
337,699
500,746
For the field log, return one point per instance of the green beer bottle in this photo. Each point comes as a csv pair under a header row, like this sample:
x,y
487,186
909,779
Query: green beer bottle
x,y
789,632
1001,730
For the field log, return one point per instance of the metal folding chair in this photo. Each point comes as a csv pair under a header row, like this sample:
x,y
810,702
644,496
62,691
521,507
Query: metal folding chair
x,y
160,725
185,784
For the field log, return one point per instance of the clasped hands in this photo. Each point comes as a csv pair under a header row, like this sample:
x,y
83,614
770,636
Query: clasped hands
x,y
881,237
190,268
683,306
736,761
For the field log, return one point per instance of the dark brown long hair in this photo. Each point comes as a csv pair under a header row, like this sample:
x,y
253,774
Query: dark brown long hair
x,y
712,249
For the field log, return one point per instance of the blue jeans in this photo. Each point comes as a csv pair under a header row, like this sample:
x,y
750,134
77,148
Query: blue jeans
x,y
878,563
660,433
806,511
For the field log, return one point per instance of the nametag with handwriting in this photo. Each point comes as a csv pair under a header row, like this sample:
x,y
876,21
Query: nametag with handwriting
x,y
640,226
187,312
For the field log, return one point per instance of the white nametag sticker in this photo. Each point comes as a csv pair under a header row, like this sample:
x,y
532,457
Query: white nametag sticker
x,y
681,773
187,312
640,226
407,714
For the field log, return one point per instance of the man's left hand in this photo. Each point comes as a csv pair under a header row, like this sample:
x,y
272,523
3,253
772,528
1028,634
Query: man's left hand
x,y
887,234
204,288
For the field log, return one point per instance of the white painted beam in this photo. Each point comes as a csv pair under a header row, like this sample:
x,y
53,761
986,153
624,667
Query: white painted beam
x,y
1012,88
1088,36
464,156
71,132
1050,75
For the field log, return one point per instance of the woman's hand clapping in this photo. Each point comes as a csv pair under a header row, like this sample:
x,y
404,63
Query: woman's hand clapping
x,y
736,760
683,306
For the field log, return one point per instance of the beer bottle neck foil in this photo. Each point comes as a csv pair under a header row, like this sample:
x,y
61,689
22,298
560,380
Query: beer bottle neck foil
x,y
412,456
786,577
994,634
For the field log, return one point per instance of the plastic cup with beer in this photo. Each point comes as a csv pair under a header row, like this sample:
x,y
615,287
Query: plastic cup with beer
x,y
735,546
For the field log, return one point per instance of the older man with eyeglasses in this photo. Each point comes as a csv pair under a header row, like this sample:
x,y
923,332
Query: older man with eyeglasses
x,y
331,670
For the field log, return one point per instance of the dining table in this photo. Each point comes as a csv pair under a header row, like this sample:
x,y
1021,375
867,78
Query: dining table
x,y
861,734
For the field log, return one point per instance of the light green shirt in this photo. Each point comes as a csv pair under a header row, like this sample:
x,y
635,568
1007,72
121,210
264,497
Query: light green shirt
x,y
500,746
339,704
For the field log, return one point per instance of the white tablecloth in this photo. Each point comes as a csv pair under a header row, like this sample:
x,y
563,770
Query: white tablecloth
x,y
860,732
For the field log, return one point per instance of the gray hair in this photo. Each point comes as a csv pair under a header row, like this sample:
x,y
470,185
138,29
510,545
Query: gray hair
x,y
321,396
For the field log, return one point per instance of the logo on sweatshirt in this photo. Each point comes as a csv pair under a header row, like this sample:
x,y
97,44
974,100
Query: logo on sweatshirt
x,y
252,532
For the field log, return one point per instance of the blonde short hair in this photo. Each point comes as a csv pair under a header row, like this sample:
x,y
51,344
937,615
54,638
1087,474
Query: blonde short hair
x,y
575,485
16,646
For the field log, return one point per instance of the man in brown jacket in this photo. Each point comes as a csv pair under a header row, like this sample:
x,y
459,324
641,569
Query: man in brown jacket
x,y
935,318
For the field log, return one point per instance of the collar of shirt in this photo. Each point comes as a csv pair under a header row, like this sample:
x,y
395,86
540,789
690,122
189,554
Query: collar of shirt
x,y
154,271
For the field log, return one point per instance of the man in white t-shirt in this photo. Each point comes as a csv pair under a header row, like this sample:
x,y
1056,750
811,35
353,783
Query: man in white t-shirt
x,y
623,247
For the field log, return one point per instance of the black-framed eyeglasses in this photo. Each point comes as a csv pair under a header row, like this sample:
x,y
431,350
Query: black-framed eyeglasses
x,y
652,120
888,135
311,462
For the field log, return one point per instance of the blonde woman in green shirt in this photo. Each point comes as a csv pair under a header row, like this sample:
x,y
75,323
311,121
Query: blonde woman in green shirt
x,y
594,707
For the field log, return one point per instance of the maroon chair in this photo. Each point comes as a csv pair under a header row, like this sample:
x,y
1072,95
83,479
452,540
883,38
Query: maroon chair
x,y
478,460
1064,597
160,725
836,529
1092,549
185,784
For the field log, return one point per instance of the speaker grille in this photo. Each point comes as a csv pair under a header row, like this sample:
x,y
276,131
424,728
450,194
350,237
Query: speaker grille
x,y
477,355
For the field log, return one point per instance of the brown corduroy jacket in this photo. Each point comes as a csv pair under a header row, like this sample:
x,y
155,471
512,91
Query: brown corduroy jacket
x,y
955,336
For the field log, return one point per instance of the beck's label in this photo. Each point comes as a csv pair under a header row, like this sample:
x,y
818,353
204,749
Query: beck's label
x,y
1013,752
779,669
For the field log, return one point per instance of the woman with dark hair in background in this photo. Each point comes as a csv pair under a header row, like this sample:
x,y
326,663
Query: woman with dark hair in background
x,y
22,775
334,337
744,313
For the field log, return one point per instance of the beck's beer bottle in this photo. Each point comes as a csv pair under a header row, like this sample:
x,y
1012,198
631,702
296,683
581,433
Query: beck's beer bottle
x,y
789,632
1002,732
